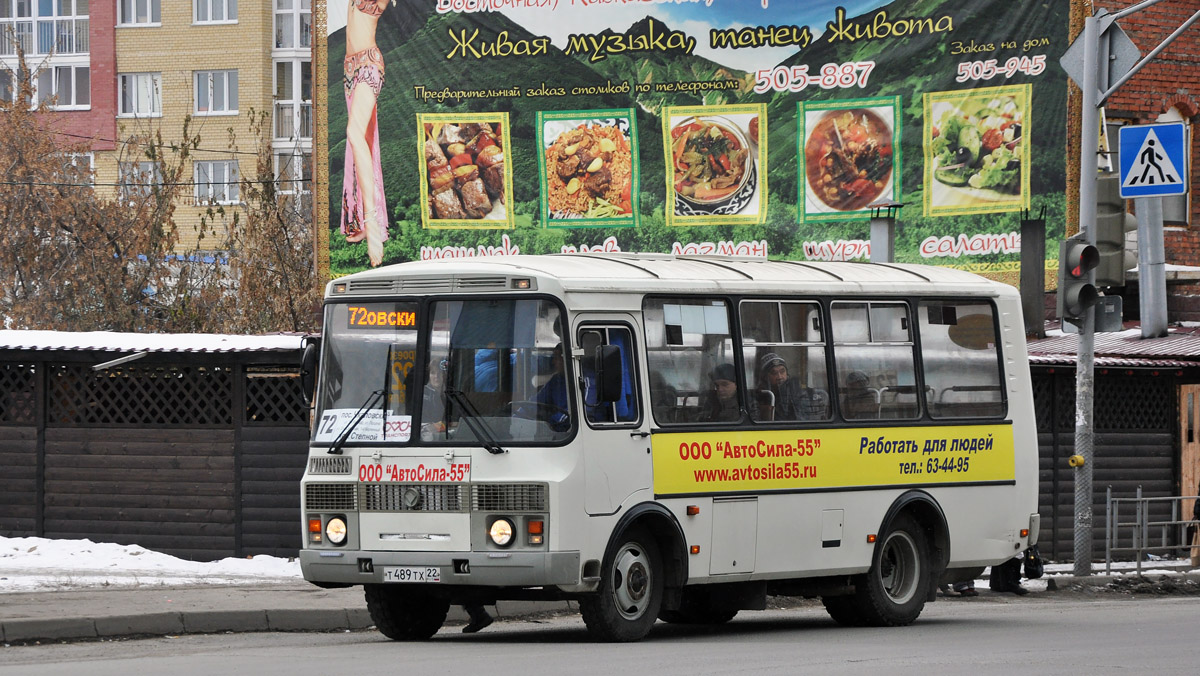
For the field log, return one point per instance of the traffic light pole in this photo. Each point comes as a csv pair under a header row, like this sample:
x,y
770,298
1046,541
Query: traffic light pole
x,y
1085,359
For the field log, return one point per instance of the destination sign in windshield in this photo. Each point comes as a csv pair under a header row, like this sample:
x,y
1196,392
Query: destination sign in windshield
x,y
380,316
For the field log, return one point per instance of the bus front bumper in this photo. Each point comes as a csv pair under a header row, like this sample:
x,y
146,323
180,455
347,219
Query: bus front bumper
x,y
493,569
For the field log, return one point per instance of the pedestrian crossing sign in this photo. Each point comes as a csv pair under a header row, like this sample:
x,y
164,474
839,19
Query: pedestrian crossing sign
x,y
1154,160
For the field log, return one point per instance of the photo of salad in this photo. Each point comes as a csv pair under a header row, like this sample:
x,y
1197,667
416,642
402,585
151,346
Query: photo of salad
x,y
976,150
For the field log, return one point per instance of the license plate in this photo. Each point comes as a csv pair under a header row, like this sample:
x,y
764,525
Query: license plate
x,y
412,574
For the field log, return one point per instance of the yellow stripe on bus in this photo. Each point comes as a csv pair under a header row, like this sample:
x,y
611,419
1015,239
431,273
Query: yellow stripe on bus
x,y
765,460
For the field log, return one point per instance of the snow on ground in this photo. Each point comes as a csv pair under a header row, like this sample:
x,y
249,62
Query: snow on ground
x,y
33,564
38,564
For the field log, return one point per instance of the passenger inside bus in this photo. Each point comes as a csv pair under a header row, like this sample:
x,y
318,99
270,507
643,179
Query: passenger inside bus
x,y
723,400
859,402
792,399
552,396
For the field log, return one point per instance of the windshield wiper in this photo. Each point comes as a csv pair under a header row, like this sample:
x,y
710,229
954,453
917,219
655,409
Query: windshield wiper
x,y
336,447
482,432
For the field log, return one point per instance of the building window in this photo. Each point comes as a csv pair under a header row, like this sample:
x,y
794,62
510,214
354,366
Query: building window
x,y
293,24
79,168
217,92
139,12
293,171
141,94
58,27
64,87
217,182
8,85
293,99
138,179
216,11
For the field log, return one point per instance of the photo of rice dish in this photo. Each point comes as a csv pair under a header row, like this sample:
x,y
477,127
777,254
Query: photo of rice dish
x,y
589,172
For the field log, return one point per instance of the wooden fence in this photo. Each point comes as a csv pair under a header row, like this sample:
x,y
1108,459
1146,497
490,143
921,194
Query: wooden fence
x,y
198,455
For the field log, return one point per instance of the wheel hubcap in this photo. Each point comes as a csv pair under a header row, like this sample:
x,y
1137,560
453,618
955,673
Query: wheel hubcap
x,y
631,581
899,568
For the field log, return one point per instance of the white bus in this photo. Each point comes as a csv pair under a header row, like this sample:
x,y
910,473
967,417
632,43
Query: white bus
x,y
665,437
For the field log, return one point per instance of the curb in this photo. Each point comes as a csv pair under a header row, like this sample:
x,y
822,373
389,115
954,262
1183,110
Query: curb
x,y
224,621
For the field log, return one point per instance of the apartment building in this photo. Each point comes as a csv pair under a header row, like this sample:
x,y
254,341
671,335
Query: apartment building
x,y
120,71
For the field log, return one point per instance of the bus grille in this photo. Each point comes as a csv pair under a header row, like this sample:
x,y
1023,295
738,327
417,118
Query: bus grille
x,y
509,498
410,497
329,465
324,497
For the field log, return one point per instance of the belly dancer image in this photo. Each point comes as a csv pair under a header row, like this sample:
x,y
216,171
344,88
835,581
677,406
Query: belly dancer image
x,y
364,209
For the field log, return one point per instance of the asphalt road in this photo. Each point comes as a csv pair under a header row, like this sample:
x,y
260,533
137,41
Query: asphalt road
x,y
1055,634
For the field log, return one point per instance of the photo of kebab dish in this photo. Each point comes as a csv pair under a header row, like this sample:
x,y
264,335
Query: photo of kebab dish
x,y
589,172
466,170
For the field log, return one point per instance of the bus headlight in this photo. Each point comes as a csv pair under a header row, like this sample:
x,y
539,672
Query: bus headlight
x,y
501,532
335,530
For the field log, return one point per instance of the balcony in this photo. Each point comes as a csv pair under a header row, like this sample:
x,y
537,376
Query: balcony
x,y
293,121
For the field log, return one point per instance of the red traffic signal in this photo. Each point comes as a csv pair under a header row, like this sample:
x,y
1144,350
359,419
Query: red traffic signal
x,y
1076,258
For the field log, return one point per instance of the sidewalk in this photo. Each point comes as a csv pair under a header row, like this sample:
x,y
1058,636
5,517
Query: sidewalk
x,y
153,610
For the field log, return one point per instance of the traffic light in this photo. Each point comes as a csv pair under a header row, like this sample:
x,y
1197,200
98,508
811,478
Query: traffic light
x,y
1112,222
1075,293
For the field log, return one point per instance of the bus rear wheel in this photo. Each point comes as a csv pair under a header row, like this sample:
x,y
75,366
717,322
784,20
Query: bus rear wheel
x,y
405,614
893,592
630,594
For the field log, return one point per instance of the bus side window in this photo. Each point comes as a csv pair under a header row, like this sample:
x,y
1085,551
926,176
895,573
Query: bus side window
x,y
624,409
687,338
960,359
873,354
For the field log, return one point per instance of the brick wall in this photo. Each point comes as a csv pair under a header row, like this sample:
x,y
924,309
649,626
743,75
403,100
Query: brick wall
x,y
176,48
95,127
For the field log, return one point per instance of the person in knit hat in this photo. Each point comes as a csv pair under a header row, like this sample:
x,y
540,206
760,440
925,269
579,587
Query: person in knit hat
x,y
793,401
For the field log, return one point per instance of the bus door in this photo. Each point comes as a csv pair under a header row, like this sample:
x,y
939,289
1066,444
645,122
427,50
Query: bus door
x,y
616,443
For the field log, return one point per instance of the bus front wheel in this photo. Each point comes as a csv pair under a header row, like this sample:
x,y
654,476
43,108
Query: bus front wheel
x,y
893,592
405,614
631,588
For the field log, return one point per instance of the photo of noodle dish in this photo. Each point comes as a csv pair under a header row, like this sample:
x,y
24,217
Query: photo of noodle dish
x,y
465,169
847,159
711,159
589,168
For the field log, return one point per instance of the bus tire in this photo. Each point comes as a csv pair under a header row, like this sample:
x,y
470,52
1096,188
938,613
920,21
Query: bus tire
x,y
631,590
844,610
697,608
893,591
405,614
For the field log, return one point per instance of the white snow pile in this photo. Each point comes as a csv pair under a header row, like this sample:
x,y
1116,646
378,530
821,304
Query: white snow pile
x,y
32,564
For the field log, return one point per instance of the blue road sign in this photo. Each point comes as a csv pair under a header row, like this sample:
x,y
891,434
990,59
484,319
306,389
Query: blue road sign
x,y
1153,160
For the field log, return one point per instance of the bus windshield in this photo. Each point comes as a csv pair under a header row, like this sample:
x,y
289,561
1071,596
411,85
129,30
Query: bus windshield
x,y
488,372
496,368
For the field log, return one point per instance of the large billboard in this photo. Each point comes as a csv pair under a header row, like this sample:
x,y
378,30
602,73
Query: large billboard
x,y
767,127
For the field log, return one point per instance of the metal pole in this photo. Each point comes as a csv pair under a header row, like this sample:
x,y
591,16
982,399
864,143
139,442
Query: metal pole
x,y
1152,269
1108,530
1085,360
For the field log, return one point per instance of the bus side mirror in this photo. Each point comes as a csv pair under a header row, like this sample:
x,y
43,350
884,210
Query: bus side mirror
x,y
308,368
609,373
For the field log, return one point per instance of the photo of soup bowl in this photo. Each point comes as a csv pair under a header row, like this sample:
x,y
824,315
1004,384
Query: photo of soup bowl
x,y
711,158
848,160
